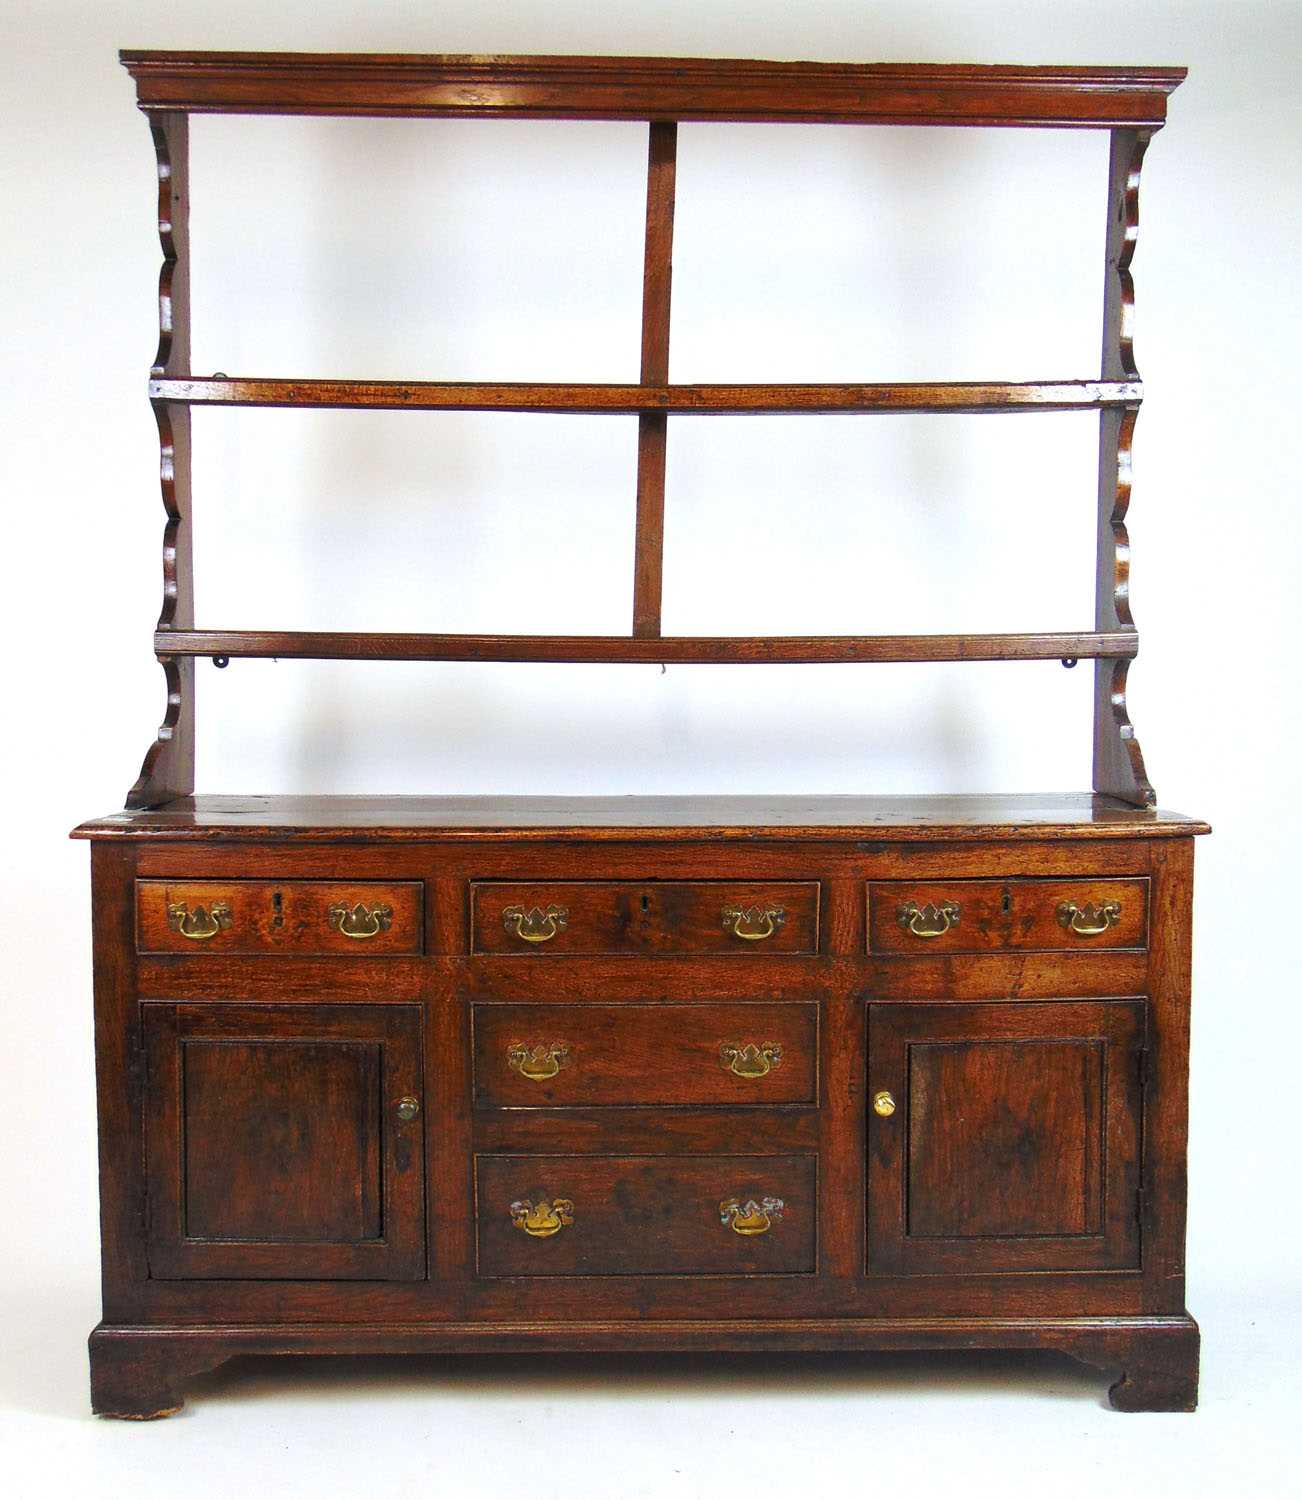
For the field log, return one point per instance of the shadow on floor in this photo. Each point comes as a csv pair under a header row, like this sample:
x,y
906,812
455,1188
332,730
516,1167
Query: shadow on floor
x,y
614,1377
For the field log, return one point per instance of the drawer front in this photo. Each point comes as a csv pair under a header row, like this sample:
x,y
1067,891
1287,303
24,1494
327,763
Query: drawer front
x,y
558,1056
644,917
978,916
266,916
646,1215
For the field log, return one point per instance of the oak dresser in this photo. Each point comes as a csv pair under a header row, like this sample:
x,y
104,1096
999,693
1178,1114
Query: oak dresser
x,y
643,1073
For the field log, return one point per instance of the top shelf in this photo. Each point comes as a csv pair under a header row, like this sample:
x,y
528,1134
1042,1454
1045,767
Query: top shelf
x,y
640,88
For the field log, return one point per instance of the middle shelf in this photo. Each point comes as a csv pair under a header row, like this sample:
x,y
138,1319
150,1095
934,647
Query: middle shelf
x,y
701,650
589,399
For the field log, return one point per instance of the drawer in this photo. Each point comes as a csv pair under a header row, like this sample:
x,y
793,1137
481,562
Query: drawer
x,y
558,1056
646,1215
644,917
268,916
978,916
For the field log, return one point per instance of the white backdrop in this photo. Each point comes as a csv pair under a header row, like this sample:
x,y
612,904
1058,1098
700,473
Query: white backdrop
x,y
512,251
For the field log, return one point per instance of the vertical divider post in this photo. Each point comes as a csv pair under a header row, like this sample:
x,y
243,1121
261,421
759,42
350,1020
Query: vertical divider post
x,y
653,427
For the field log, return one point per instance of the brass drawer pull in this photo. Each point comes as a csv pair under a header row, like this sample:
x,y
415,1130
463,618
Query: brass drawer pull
x,y
535,925
884,1103
753,923
1089,920
543,1219
408,1107
202,923
928,921
750,1061
359,921
538,1062
750,1217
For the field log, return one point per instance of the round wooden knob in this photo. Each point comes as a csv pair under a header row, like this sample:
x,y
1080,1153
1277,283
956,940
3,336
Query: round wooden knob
x,y
884,1103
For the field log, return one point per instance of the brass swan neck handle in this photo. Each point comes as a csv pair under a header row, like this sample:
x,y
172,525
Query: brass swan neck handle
x,y
537,924
753,923
201,924
928,921
1089,920
359,921
753,1060
543,1219
539,1062
750,1217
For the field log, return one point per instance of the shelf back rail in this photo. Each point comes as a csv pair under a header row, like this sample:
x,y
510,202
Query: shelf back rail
x,y
1130,103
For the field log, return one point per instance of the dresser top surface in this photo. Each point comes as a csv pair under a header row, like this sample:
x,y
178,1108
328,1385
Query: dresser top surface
x,y
902,819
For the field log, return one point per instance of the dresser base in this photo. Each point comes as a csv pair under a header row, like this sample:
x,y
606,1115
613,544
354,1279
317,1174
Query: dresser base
x,y
137,1373
447,1077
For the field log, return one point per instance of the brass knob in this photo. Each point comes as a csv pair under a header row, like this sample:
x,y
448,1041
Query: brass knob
x,y
884,1103
408,1107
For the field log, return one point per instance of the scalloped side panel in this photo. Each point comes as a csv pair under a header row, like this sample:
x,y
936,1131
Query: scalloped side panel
x,y
1118,760
168,768
167,771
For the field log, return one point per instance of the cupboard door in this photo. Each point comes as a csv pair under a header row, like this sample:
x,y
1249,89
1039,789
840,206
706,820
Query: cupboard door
x,y
284,1141
1013,1143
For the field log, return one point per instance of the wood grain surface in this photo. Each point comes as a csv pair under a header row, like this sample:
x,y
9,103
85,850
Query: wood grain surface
x,y
650,88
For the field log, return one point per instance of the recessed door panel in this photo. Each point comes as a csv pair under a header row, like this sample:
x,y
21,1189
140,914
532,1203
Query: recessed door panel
x,y
282,1140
